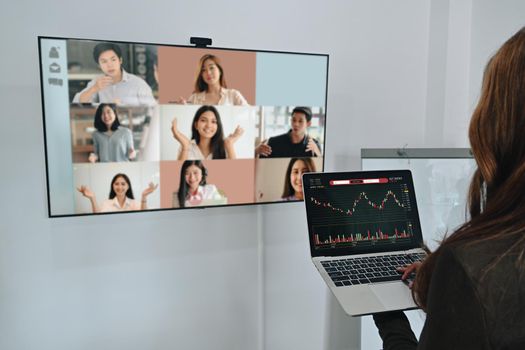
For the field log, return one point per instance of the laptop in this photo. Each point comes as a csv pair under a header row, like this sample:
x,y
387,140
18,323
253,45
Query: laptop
x,y
362,226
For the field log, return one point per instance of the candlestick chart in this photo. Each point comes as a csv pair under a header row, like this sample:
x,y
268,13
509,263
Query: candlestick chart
x,y
360,215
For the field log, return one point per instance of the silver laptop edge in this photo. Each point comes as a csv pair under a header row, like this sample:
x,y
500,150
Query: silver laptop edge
x,y
364,299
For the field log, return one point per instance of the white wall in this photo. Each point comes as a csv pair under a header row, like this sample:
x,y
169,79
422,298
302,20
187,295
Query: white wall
x,y
377,92
165,280
493,22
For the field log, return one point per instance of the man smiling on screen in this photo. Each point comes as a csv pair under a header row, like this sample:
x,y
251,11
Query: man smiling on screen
x,y
294,143
115,85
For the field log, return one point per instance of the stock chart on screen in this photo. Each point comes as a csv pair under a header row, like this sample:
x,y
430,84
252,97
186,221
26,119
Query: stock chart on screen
x,y
360,212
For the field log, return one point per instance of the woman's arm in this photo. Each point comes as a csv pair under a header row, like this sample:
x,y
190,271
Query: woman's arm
x,y
130,147
455,317
454,314
93,157
86,192
394,330
143,202
238,99
183,154
197,98
132,154
182,139
229,142
181,100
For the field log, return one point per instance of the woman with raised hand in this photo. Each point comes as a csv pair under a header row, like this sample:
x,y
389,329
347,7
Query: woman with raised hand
x,y
210,85
207,137
120,197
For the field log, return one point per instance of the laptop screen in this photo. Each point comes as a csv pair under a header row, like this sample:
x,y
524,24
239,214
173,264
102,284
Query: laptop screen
x,y
361,212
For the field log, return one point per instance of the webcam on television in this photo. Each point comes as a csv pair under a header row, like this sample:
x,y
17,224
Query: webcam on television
x,y
200,42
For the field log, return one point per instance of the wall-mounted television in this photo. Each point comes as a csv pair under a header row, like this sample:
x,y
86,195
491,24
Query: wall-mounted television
x,y
139,126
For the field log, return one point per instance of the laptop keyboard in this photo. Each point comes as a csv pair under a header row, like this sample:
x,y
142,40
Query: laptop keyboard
x,y
372,269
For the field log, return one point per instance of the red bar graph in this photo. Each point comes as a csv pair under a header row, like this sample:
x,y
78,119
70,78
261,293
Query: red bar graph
x,y
358,237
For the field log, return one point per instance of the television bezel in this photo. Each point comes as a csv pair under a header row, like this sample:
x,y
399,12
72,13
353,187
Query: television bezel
x,y
40,62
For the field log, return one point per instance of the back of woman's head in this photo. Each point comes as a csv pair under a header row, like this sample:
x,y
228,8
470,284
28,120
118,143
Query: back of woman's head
x,y
99,123
496,199
496,131
217,141
183,185
200,84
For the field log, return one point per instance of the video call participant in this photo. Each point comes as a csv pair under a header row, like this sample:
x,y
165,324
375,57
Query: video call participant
x,y
295,143
210,85
115,85
293,183
472,287
111,141
120,196
193,189
207,137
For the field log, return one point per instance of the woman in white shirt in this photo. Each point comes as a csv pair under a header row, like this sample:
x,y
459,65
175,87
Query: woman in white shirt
x,y
120,196
207,137
193,189
210,85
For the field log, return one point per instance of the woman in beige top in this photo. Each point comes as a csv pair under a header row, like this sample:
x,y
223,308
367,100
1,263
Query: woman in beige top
x,y
210,85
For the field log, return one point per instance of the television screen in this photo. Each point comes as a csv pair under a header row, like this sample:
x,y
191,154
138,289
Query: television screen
x,y
136,126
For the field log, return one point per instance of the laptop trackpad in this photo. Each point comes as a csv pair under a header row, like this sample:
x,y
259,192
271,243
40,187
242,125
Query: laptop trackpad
x,y
393,296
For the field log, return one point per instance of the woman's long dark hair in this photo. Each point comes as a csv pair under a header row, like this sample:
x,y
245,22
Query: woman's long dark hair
x,y
217,141
129,192
288,190
183,185
200,84
99,124
496,199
